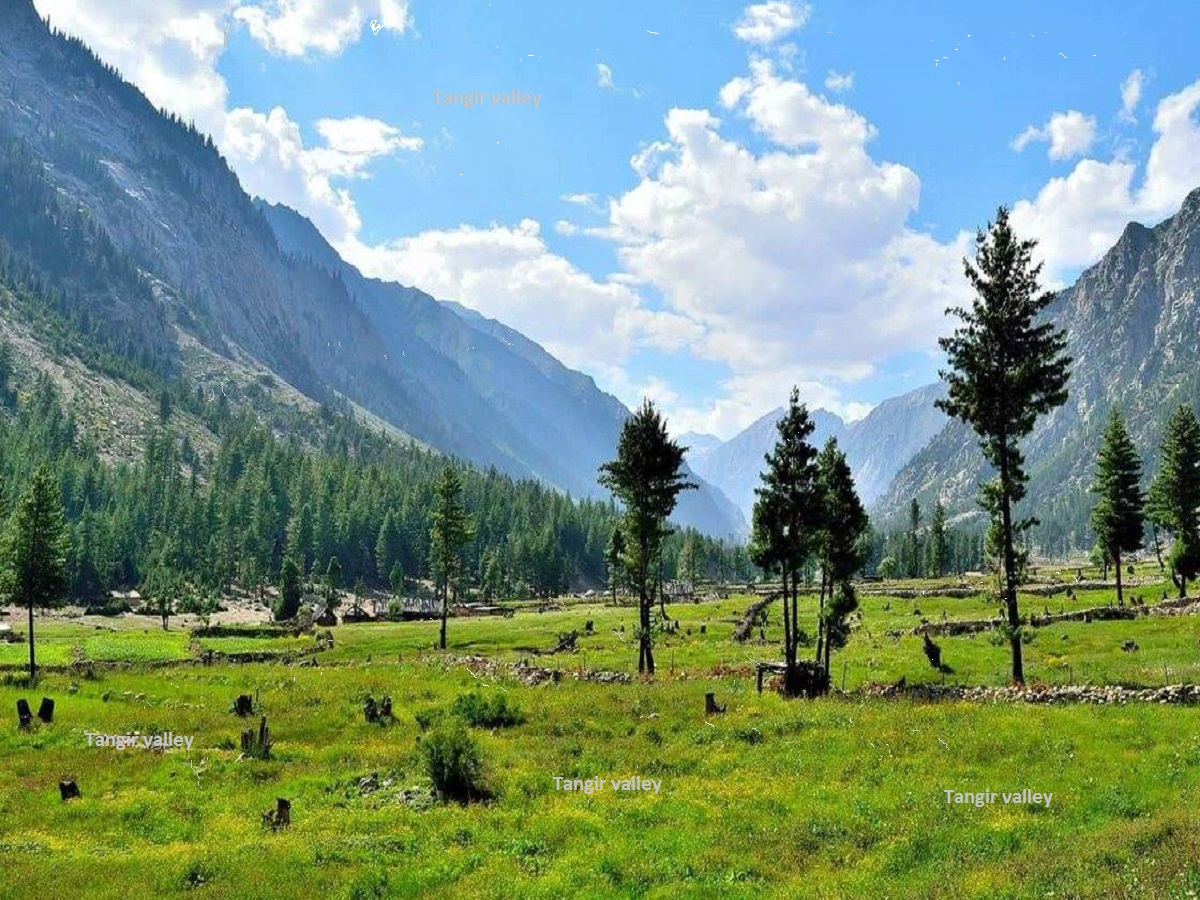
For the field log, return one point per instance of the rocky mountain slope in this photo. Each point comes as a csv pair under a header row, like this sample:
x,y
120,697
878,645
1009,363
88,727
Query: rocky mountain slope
x,y
1132,321
142,235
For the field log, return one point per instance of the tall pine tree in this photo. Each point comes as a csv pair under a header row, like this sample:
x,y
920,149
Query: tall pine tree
x,y
451,529
1174,501
37,550
1006,369
647,477
1117,518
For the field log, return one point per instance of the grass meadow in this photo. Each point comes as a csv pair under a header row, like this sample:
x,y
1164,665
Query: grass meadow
x,y
840,797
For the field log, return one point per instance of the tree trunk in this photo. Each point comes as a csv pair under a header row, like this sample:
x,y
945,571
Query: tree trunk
x,y
820,618
445,612
795,615
1010,564
787,629
647,650
1157,548
1117,563
662,600
32,666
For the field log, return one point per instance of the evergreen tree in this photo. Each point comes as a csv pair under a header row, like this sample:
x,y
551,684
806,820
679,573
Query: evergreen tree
x,y
396,581
788,525
451,529
687,567
37,547
647,477
300,538
914,539
1006,369
843,524
1117,518
1174,500
288,604
936,547
333,583
614,555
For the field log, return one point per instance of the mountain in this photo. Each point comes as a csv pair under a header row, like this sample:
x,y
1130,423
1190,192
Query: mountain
x,y
1132,321
143,239
876,446
735,465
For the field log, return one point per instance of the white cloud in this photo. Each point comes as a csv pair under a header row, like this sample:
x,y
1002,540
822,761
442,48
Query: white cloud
x,y
766,23
508,273
272,162
295,27
1131,94
604,76
1069,134
1077,217
836,81
780,256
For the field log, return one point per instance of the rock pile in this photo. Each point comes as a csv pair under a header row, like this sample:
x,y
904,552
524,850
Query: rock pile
x,y
1082,693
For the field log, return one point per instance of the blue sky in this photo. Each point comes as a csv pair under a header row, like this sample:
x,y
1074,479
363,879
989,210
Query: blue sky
x,y
758,195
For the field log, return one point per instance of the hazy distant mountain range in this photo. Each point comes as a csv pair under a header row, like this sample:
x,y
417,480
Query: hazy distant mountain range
x,y
876,446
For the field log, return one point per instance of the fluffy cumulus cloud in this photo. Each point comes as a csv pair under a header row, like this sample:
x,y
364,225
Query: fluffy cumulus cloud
x,y
1078,216
272,162
508,273
780,256
1069,135
764,24
299,27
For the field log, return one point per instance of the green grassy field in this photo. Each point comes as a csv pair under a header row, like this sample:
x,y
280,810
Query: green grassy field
x,y
841,797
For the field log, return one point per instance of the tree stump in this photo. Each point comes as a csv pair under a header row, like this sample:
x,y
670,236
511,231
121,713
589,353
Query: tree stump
x,y
704,629
46,710
243,705
711,707
257,745
280,816
68,790
589,626
933,653
385,708
24,714
370,710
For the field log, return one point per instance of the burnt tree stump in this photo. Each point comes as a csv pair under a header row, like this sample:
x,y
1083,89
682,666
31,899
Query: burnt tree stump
x,y
385,708
243,705
24,714
711,707
68,790
257,745
46,710
370,709
280,816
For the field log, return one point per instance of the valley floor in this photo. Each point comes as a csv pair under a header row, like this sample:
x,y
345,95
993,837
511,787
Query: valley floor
x,y
841,797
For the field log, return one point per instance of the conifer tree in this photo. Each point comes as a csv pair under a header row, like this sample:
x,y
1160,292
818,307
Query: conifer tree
x,y
288,604
1006,369
1174,500
614,555
787,526
36,545
647,477
937,545
843,523
451,529
1117,518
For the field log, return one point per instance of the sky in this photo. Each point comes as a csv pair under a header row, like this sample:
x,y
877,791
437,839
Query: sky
x,y
702,203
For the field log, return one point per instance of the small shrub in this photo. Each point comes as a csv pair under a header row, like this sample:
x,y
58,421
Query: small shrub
x,y
487,711
453,764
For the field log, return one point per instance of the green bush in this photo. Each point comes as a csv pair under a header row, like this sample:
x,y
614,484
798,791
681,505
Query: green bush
x,y
453,764
487,711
